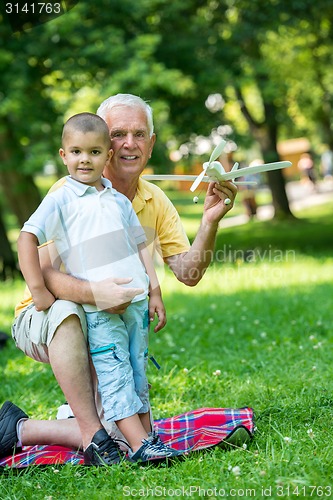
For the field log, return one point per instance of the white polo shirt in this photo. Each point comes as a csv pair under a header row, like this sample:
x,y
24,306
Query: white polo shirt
x,y
96,233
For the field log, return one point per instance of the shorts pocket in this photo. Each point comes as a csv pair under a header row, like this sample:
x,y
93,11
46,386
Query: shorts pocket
x,y
112,348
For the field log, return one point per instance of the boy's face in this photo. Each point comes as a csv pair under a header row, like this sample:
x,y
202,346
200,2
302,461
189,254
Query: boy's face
x,y
85,155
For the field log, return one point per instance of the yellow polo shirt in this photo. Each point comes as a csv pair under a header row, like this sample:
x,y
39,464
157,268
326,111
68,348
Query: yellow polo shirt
x,y
160,220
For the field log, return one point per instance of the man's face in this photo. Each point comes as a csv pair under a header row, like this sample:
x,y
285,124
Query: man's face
x,y
130,141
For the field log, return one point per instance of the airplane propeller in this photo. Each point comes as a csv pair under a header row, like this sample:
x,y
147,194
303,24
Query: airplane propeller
x,y
211,163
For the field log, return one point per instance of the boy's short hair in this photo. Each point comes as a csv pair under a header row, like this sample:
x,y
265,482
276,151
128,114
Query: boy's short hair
x,y
86,122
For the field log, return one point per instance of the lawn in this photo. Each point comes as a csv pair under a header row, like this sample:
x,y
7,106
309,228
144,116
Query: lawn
x,y
257,331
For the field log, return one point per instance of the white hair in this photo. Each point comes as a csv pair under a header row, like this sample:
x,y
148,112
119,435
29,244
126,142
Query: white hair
x,y
127,100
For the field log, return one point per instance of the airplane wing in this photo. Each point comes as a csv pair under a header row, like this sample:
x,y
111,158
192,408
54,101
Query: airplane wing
x,y
233,174
254,169
180,177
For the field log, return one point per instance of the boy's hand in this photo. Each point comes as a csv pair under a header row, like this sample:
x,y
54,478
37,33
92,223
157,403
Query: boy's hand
x,y
156,306
43,300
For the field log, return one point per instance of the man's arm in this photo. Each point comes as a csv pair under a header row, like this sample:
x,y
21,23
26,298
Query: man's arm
x,y
107,294
189,267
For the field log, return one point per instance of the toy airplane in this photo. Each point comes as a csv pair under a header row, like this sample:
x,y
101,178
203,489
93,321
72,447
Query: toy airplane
x,y
213,171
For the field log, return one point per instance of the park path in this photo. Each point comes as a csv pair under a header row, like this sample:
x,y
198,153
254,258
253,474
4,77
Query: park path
x,y
300,195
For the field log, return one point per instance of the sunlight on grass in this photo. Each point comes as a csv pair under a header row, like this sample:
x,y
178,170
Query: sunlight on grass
x,y
229,279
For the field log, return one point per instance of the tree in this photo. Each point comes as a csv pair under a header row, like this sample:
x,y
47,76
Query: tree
x,y
258,34
232,48
174,54
218,46
8,267
307,52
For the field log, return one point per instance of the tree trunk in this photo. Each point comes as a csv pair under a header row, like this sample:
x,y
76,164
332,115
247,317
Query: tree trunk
x,y
267,139
8,266
265,133
21,194
19,189
280,200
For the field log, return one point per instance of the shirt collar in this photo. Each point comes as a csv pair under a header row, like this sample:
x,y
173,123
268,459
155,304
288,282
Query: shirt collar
x,y
80,189
141,196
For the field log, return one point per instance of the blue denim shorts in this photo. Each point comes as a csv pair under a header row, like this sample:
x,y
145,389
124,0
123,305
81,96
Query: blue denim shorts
x,y
118,346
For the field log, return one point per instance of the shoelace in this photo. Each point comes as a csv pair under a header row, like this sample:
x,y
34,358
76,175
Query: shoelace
x,y
155,446
109,449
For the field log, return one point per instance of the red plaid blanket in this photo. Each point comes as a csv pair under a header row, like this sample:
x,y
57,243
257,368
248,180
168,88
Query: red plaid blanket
x,y
189,431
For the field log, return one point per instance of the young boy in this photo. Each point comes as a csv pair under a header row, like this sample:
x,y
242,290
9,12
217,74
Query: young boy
x,y
97,235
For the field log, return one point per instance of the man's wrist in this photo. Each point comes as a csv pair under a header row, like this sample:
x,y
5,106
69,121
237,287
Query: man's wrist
x,y
208,225
88,292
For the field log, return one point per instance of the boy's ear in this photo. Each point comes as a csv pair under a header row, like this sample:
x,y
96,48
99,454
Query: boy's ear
x,y
63,155
110,154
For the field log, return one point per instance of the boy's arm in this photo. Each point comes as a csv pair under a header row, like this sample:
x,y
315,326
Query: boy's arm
x,y
156,305
31,270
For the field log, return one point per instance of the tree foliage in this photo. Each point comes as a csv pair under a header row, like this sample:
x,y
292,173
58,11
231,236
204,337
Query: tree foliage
x,y
268,61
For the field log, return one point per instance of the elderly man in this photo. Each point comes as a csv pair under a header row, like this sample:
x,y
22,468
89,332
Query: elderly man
x,y
59,336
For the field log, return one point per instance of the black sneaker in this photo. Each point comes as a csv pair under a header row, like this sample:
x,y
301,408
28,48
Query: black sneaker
x,y
153,449
10,414
238,438
103,450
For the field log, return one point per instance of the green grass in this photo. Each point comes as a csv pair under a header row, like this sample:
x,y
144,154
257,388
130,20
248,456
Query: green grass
x,y
310,232
265,322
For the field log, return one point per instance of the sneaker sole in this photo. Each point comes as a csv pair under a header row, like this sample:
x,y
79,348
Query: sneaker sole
x,y
158,460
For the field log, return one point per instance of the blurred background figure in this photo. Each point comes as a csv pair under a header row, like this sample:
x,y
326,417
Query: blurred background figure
x,y
248,192
306,168
327,164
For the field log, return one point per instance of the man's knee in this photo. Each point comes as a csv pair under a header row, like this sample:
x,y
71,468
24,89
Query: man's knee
x,y
66,318
70,326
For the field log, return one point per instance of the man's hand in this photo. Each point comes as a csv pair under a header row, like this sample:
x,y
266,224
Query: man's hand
x,y
214,206
110,296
